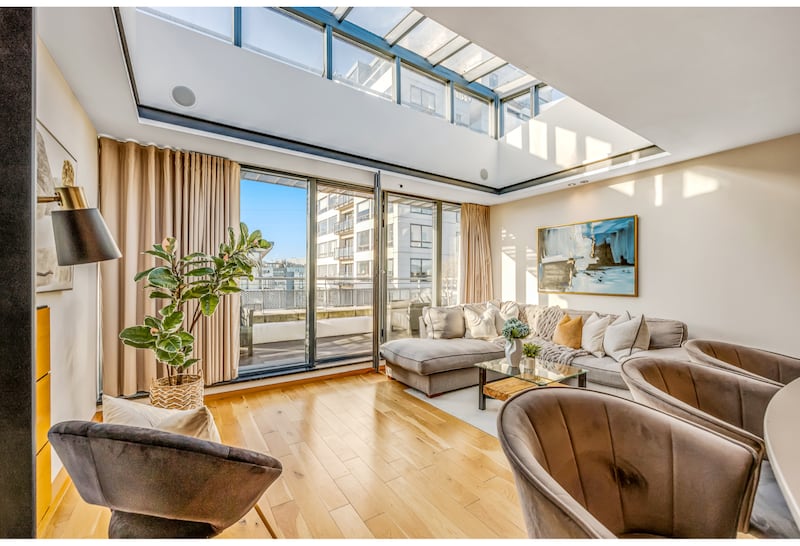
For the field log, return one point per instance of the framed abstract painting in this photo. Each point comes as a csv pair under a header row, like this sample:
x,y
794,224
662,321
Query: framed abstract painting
x,y
597,257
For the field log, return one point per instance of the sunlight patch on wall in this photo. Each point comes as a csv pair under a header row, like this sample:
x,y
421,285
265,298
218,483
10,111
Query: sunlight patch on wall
x,y
555,299
658,186
538,135
566,147
597,149
695,184
508,274
628,188
531,280
514,138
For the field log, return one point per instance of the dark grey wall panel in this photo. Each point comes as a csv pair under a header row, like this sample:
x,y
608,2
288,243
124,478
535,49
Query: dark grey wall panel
x,y
17,209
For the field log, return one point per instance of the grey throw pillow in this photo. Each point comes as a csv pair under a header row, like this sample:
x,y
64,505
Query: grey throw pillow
x,y
445,322
625,336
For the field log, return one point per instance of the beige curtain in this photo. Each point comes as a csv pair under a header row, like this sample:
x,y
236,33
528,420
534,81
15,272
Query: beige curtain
x,y
146,195
476,258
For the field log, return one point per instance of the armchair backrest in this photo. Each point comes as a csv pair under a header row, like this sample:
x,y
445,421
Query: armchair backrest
x,y
588,464
161,474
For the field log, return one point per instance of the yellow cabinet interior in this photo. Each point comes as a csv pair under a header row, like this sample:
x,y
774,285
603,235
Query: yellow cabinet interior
x,y
43,479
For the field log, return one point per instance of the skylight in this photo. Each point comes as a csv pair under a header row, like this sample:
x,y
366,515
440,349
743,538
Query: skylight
x,y
361,46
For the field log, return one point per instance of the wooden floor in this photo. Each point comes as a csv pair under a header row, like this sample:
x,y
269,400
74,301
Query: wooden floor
x,y
361,459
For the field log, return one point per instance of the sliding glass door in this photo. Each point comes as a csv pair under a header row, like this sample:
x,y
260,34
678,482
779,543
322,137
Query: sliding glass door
x,y
272,332
345,263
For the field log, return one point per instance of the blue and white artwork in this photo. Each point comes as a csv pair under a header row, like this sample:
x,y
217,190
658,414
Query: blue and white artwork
x,y
597,257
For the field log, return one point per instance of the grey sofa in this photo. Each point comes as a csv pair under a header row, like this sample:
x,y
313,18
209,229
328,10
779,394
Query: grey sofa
x,y
435,366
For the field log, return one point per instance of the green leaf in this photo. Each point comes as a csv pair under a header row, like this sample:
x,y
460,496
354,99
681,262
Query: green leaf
x,y
168,310
142,274
162,277
264,244
208,304
173,321
200,272
138,336
229,289
194,256
158,295
160,254
170,344
186,338
245,233
152,322
219,262
164,356
190,361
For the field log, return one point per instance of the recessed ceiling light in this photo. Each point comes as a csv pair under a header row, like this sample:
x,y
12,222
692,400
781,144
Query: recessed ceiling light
x,y
584,181
571,184
183,96
484,174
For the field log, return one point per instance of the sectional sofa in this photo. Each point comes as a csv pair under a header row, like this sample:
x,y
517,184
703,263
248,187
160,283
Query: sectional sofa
x,y
453,339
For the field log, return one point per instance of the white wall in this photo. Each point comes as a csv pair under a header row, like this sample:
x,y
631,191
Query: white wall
x,y
719,243
73,313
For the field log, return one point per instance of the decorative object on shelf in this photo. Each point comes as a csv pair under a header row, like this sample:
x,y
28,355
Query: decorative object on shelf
x,y
595,257
203,280
514,330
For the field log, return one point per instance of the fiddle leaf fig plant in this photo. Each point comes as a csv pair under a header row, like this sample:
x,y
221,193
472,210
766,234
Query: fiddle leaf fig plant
x,y
198,277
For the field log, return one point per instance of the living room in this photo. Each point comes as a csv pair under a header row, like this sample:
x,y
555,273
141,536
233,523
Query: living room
x,y
715,207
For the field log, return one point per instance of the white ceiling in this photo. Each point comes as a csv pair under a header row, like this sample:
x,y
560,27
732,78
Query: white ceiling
x,y
693,81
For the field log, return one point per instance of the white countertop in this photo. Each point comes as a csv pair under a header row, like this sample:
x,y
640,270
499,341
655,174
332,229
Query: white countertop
x,y
782,436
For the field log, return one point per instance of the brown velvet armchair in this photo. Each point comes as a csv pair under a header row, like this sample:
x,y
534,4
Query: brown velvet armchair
x,y
592,465
159,484
730,403
750,361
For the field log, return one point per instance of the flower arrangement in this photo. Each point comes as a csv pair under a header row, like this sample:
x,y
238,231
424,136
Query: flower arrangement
x,y
515,329
531,350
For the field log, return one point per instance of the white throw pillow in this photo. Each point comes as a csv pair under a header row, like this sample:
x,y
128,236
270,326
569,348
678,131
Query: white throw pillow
x,y
480,321
197,423
625,336
594,330
507,310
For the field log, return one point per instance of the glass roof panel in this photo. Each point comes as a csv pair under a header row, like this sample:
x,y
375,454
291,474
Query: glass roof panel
x,y
215,21
427,37
502,76
466,59
377,20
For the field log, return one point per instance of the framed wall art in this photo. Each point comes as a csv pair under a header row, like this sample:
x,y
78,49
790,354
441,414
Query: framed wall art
x,y
596,257
53,164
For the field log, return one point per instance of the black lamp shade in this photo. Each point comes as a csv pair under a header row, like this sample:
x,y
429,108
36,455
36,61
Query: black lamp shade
x,y
82,237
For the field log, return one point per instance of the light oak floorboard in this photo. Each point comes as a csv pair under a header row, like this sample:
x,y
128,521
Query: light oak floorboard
x,y
361,459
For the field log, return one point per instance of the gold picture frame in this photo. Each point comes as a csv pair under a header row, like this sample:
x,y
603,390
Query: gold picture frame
x,y
597,257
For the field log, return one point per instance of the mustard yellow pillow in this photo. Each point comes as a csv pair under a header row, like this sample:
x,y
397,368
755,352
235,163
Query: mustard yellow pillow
x,y
569,332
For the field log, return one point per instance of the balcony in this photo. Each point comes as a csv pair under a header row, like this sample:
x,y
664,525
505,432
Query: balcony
x,y
343,227
345,253
343,201
273,317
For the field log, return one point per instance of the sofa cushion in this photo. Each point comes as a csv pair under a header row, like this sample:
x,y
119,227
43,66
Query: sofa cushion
x,y
479,321
197,423
673,353
568,332
545,322
594,331
666,333
625,336
427,356
444,322
507,310
605,370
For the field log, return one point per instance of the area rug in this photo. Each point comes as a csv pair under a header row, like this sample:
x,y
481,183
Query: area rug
x,y
463,404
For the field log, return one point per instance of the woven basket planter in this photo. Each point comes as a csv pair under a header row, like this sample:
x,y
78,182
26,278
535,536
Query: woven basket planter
x,y
187,395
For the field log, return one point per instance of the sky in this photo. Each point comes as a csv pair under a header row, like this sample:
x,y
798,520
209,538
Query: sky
x,y
280,213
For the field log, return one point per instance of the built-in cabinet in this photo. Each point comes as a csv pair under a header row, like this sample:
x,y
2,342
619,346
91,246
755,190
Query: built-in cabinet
x,y
43,480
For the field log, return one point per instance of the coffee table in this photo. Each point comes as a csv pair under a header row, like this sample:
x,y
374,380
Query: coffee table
x,y
538,372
